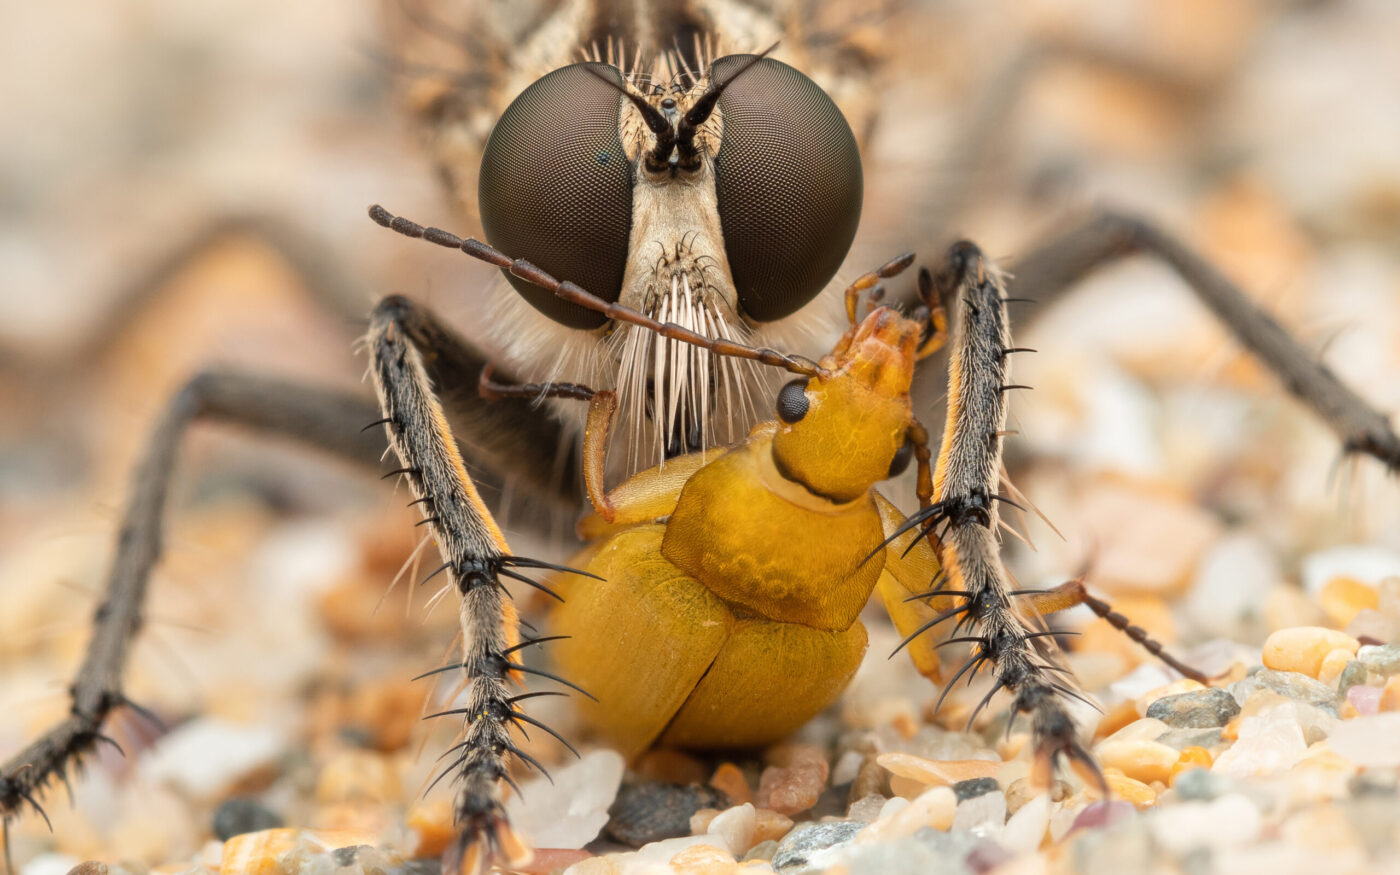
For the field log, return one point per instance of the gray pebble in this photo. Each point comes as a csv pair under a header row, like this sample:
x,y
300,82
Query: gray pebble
x,y
1184,738
1383,659
974,787
1291,684
798,846
764,850
1199,784
1354,675
241,814
1198,709
650,811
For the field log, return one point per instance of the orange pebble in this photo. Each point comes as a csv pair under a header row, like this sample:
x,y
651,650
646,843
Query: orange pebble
x,y
730,781
1390,696
1191,758
1342,598
432,823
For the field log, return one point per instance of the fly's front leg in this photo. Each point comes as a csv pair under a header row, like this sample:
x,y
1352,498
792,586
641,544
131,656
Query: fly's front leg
x,y
322,419
1108,236
475,559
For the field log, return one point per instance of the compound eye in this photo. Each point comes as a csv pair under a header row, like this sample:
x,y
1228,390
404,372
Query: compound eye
x,y
556,187
792,401
789,184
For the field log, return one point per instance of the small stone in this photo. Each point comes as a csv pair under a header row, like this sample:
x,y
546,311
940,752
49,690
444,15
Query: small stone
x,y
1364,699
1267,743
736,828
1293,685
1098,815
1390,695
50,864
1200,709
702,860
1146,729
570,812
1185,685
700,821
90,867
1371,741
1199,784
764,850
935,808
1025,829
974,787
1184,738
1130,790
241,814
866,809
1342,598
1230,821
983,814
651,811
934,773
1145,761
795,780
1333,664
358,777
1383,659
798,847
730,780
1355,673
1302,648
770,824
669,767
206,755
431,822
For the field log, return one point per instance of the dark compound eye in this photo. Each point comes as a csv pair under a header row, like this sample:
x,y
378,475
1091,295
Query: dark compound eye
x,y
792,401
900,463
556,188
789,184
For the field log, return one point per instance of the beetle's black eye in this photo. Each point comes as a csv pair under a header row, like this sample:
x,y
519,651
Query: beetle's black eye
x,y
900,463
789,185
792,401
556,187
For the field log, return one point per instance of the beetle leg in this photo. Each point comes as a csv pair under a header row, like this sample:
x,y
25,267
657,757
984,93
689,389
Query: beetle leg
x,y
327,420
1073,592
476,557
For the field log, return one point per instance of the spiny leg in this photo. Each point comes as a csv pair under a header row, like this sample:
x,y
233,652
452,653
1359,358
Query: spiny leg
x,y
475,558
320,418
1023,660
1108,236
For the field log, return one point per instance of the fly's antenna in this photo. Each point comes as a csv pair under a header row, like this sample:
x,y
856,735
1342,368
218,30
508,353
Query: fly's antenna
x,y
961,521
575,294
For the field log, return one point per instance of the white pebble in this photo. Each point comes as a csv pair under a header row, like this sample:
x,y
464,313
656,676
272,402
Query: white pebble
x,y
206,755
983,815
1372,741
1367,564
1025,829
1230,821
736,827
1268,743
49,864
569,813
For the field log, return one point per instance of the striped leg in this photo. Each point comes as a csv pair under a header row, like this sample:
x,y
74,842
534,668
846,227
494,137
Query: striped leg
x,y
476,558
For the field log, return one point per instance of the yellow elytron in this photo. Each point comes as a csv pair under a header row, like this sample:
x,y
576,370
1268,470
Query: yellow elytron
x,y
731,580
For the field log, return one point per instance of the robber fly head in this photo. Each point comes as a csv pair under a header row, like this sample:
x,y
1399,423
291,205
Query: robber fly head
x,y
721,201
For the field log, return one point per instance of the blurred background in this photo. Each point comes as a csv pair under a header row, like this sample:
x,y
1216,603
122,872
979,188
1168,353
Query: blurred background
x,y
1264,132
